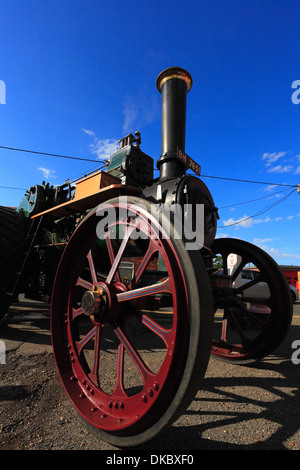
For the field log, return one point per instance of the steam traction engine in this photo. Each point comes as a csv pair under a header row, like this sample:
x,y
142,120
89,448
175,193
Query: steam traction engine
x,y
135,315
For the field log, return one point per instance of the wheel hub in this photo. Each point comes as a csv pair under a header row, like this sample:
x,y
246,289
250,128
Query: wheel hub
x,y
94,304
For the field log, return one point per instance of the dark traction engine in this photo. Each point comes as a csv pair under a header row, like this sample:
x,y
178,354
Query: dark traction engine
x,y
138,305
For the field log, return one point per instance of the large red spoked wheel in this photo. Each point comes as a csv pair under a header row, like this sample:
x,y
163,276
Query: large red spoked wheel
x,y
131,322
253,308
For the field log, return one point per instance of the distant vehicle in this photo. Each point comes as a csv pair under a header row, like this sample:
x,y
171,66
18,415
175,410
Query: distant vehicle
x,y
260,289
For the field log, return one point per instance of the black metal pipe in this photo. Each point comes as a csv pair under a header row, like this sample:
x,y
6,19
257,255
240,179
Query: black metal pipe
x,y
173,84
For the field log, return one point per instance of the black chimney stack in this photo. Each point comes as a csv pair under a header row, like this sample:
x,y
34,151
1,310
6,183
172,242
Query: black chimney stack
x,y
173,84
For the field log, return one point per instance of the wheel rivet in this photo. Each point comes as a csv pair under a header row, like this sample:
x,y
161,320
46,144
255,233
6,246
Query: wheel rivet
x,y
121,405
150,392
110,404
144,398
116,406
156,386
94,409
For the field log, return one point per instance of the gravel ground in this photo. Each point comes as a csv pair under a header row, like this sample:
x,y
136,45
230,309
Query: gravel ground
x,y
239,407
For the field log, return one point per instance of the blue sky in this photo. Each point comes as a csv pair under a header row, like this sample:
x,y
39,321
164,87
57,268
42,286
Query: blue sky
x,y
80,74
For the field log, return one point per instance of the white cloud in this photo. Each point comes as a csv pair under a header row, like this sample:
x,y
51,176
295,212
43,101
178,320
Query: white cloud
x,y
245,221
274,252
270,188
47,173
139,111
272,157
88,132
130,113
103,148
281,169
279,254
257,241
242,222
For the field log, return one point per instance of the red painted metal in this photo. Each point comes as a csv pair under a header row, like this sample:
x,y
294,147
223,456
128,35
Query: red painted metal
x,y
139,390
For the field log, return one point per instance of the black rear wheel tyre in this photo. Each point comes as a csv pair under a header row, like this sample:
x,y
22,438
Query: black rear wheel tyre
x,y
11,241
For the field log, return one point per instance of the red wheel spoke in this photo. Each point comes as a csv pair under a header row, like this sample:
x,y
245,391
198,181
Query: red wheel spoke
x,y
119,255
256,300
119,389
92,268
238,270
80,344
247,285
158,288
138,361
76,312
94,372
163,333
259,322
224,330
151,249
81,282
111,253
238,328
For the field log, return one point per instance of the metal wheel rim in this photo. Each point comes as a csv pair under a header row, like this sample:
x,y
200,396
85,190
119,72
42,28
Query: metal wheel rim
x,y
271,328
116,413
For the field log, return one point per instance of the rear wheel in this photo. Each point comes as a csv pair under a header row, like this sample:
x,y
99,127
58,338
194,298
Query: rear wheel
x,y
252,316
11,241
293,295
131,322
